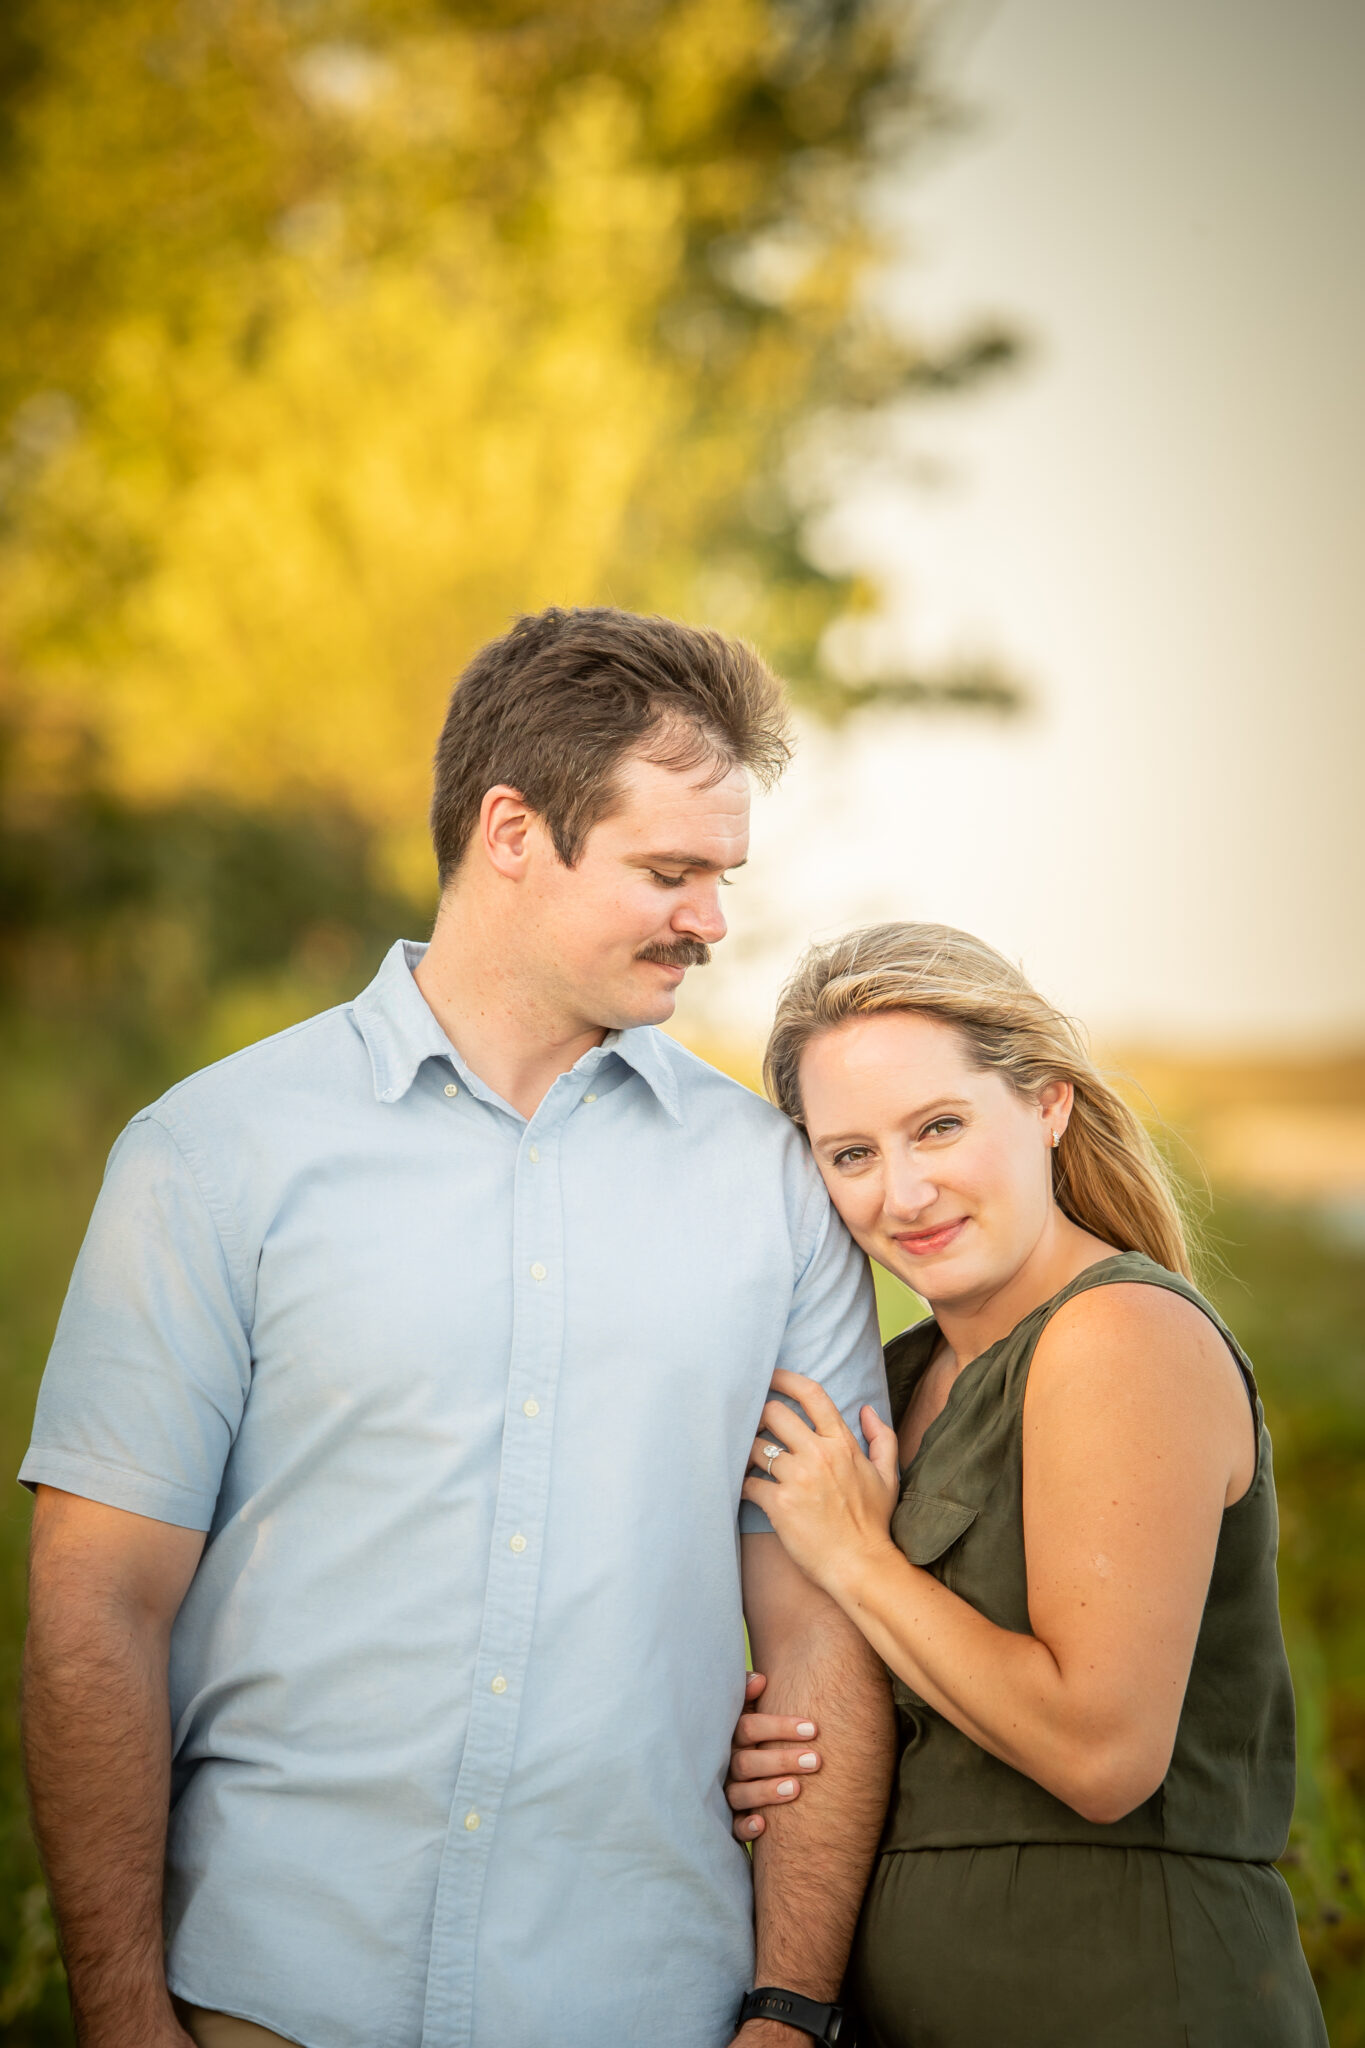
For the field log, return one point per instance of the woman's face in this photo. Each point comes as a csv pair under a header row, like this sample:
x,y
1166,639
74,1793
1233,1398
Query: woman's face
x,y
940,1171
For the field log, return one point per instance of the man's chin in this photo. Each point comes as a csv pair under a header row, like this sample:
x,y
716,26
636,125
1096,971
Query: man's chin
x,y
657,1012
641,1005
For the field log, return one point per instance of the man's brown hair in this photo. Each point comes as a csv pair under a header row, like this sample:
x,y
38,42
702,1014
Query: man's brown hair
x,y
552,706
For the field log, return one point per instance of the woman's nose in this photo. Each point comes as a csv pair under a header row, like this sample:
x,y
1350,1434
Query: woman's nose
x,y
909,1194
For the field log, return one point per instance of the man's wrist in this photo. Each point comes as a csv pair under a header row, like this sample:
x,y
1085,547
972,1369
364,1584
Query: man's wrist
x,y
122,2030
770,2034
793,2016
134,2014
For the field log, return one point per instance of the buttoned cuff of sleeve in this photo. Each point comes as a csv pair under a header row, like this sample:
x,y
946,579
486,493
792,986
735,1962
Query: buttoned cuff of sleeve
x,y
113,1486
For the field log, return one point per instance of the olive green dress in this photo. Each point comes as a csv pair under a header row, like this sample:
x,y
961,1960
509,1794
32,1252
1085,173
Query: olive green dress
x,y
997,1917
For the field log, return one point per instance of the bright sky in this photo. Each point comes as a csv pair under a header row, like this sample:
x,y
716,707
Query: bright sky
x,y
1159,524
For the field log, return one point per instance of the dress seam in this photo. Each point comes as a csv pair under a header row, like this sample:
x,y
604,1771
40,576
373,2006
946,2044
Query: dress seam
x,y
1065,1842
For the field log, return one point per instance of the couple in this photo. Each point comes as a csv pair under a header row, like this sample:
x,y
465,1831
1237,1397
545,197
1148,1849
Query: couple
x,y
408,1467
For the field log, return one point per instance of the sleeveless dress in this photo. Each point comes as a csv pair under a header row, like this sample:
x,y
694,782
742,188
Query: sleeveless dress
x,y
997,1917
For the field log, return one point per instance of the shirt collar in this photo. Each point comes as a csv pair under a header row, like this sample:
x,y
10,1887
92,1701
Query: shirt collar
x,y
646,1050
398,1028
400,1032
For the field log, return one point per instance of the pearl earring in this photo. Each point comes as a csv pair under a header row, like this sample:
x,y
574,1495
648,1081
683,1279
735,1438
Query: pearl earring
x,y
1056,1139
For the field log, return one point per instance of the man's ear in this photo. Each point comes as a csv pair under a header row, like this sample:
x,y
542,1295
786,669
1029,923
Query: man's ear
x,y
505,825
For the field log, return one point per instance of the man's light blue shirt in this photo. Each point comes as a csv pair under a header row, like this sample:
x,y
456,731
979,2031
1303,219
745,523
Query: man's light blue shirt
x,y
464,1402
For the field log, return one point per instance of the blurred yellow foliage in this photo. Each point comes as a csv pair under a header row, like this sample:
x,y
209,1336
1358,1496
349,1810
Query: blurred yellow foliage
x,y
340,333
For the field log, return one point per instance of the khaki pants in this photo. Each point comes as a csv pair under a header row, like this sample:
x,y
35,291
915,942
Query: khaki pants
x,y
221,2030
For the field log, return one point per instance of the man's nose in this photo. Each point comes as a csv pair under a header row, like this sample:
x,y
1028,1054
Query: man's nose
x,y
700,916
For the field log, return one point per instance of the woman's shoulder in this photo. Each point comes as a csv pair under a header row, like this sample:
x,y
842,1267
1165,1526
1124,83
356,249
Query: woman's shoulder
x,y
1127,1291
1129,1324
1130,1303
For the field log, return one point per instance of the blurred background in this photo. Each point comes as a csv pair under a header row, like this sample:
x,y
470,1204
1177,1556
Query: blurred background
x,y
995,368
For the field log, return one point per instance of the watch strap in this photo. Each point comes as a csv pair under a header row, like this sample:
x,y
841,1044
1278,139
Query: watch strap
x,y
822,2022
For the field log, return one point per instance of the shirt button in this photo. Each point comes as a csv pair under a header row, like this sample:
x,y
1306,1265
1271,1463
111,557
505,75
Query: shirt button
x,y
471,1821
537,1271
517,1543
534,1155
451,1089
590,1098
499,1683
530,1407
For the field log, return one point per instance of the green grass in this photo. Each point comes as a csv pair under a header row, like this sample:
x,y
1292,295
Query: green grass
x,y
1296,1298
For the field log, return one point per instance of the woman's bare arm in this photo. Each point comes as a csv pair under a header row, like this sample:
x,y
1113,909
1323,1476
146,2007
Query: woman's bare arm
x,y
1137,1434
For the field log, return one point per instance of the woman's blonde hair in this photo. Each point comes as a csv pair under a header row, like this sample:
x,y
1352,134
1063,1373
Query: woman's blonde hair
x,y
1107,1176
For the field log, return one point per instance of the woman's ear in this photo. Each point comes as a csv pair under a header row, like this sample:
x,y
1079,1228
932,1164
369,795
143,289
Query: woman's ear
x,y
1055,1099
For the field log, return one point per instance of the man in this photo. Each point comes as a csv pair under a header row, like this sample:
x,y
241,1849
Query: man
x,y
396,1420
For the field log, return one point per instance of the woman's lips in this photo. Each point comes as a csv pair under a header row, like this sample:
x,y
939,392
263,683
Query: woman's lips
x,y
922,1243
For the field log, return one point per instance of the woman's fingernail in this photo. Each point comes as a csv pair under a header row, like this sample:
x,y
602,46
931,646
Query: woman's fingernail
x,y
805,1729
751,1827
808,1761
787,1787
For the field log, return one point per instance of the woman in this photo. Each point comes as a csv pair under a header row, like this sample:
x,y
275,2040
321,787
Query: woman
x,y
1072,1579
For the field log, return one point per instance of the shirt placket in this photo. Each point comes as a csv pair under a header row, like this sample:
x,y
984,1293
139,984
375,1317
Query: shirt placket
x,y
513,1570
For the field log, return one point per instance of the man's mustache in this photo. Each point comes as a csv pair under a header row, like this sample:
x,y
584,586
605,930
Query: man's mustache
x,y
686,953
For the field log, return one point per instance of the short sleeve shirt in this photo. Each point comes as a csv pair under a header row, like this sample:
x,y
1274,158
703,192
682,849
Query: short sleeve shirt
x,y
464,1402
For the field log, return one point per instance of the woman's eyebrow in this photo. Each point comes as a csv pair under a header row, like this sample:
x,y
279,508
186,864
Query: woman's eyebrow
x,y
912,1116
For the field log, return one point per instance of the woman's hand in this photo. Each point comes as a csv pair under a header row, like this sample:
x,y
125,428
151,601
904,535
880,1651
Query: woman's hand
x,y
830,1504
771,1755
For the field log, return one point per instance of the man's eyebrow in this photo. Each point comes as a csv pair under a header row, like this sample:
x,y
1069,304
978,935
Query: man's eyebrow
x,y
689,860
912,1116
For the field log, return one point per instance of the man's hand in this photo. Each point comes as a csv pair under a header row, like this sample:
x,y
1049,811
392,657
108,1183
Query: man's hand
x,y
104,1588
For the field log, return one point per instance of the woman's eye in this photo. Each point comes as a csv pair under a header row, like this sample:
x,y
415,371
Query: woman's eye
x,y
852,1155
942,1126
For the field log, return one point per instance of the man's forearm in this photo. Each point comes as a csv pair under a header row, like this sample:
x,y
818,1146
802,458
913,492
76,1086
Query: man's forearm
x,y
97,1754
812,1863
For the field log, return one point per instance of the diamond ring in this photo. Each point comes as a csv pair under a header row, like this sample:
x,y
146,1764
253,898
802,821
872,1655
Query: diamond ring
x,y
772,1452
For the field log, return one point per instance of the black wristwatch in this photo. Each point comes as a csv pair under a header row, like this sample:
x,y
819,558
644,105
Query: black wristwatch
x,y
822,2022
